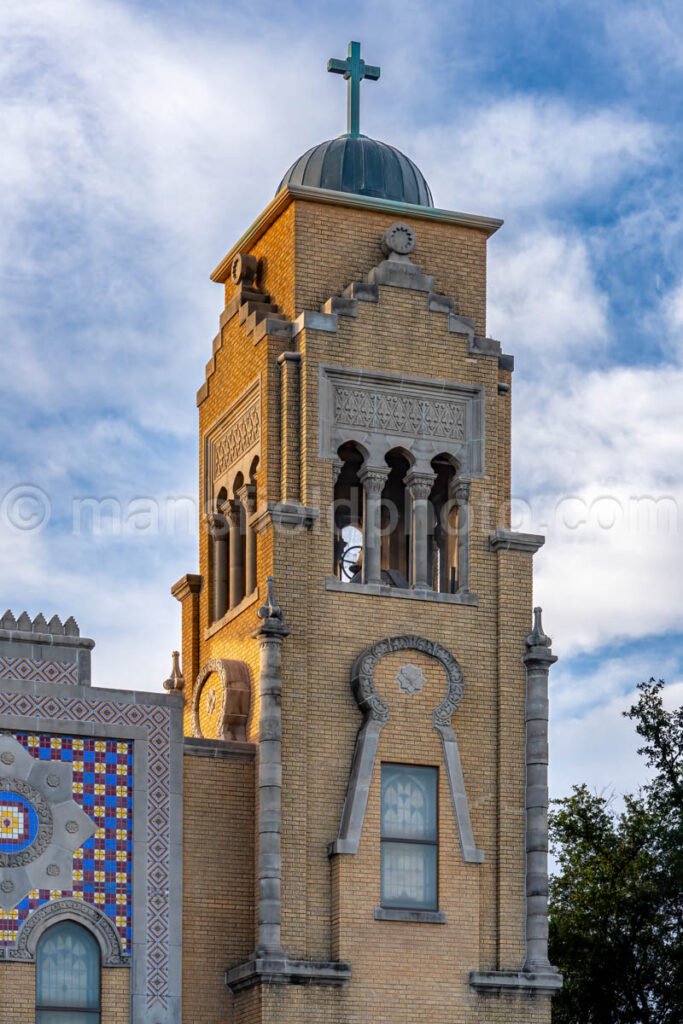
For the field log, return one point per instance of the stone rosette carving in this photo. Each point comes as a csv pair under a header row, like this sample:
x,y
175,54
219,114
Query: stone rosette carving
x,y
41,825
410,678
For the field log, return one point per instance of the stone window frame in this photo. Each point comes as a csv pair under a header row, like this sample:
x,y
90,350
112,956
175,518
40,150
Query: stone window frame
x,y
69,909
376,715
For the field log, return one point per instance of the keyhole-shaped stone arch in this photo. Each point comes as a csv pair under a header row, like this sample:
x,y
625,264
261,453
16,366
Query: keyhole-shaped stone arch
x,y
376,715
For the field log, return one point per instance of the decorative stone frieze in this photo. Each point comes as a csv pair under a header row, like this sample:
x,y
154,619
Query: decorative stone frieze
x,y
382,411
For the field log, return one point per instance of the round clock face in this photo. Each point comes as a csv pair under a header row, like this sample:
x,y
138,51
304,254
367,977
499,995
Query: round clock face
x,y
399,238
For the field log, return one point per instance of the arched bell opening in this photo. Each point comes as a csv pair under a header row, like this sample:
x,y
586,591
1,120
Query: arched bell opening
x,y
348,515
219,556
443,535
395,521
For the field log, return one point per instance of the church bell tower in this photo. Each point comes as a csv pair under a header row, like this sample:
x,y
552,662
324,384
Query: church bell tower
x,y
363,670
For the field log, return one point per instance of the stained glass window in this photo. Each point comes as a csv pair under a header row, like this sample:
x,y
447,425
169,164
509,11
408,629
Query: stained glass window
x,y
409,837
68,976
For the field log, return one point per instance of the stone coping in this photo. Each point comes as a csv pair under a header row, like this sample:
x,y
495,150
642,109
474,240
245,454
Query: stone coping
x,y
226,750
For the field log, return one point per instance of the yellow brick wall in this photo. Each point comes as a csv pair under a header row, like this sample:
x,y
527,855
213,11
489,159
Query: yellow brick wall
x,y
402,973
218,882
18,994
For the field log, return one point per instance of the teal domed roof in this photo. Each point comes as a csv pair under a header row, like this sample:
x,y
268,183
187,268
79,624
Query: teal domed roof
x,y
363,166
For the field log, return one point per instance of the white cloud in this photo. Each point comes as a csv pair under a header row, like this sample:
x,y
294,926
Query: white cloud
x,y
590,740
544,301
527,153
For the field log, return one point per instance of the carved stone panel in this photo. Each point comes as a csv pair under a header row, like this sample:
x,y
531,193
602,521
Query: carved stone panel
x,y
222,696
381,411
233,442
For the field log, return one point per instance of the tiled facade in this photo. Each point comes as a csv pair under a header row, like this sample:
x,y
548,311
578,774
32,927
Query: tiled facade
x,y
102,867
123,755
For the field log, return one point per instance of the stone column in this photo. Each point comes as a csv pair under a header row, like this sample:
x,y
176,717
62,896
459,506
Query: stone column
x,y
419,488
538,660
461,497
247,496
234,517
373,480
218,529
270,635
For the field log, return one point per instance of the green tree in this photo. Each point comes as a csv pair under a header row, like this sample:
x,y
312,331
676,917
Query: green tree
x,y
616,908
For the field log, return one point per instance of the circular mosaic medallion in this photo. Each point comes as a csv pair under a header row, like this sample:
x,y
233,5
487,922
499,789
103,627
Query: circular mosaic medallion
x,y
18,822
25,823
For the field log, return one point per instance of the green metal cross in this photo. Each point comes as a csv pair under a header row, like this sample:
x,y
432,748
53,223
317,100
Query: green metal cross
x,y
354,71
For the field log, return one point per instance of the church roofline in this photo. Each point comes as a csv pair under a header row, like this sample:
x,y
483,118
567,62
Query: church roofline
x,y
489,225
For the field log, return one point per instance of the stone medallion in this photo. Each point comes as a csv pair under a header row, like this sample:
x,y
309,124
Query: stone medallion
x,y
410,678
399,238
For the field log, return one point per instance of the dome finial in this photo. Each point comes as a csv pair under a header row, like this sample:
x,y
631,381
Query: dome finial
x,y
354,70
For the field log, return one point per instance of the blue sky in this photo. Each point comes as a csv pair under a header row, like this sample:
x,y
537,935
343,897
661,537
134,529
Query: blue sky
x,y
140,139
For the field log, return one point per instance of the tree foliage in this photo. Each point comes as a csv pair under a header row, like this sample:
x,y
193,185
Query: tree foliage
x,y
616,908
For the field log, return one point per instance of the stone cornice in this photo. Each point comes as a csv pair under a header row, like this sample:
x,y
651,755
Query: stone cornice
x,y
188,584
287,195
496,982
509,540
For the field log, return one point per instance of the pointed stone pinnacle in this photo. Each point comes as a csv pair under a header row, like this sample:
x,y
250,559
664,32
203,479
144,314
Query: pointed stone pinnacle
x,y
537,638
176,680
271,613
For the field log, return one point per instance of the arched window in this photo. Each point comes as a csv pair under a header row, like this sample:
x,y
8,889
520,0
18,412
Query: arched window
x,y
67,976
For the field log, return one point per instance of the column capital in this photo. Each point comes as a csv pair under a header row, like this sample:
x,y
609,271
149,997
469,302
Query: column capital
x,y
461,492
373,479
247,496
419,484
233,512
217,525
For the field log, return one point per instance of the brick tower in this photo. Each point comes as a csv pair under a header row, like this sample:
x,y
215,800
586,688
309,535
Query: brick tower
x,y
366,835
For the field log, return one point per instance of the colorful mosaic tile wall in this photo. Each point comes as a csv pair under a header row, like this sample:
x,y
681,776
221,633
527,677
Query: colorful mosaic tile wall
x,y
30,669
102,868
155,721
